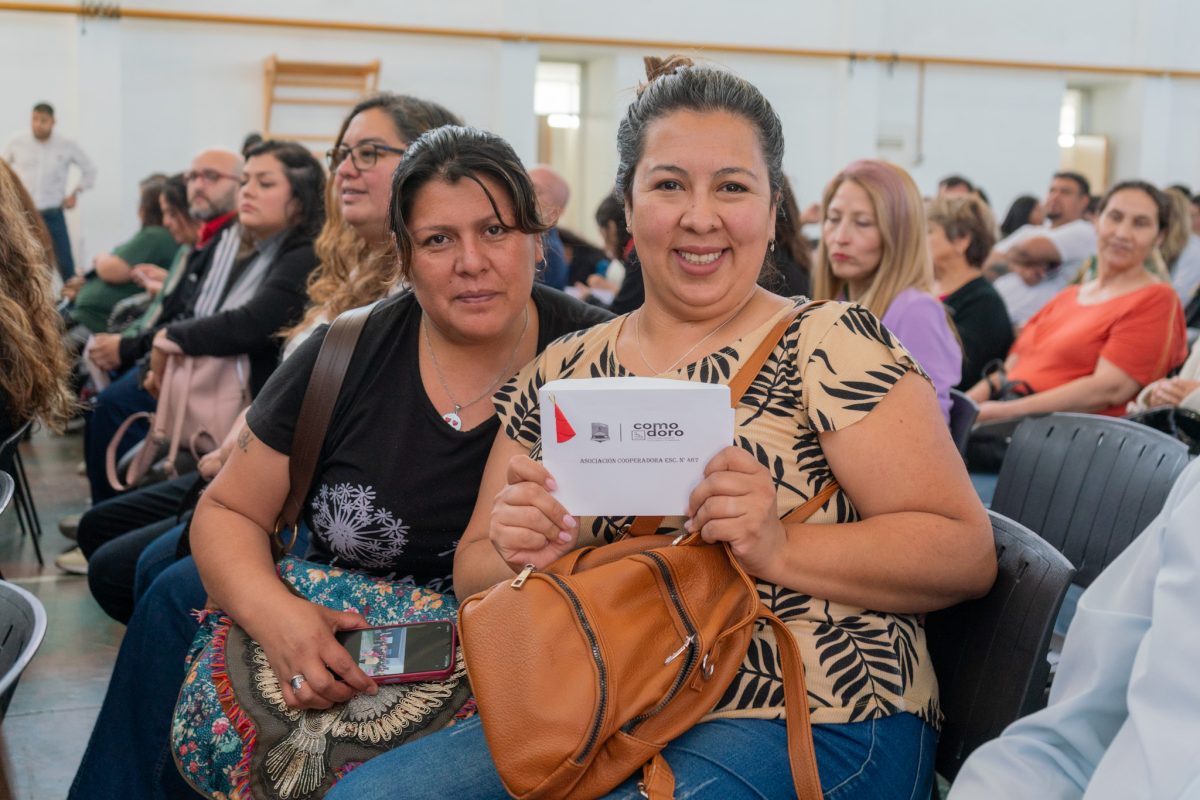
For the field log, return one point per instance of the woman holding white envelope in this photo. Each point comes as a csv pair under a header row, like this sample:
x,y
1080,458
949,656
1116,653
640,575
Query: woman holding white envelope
x,y
700,174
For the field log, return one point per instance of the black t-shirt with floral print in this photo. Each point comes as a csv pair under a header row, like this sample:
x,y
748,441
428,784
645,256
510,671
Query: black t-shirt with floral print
x,y
394,485
831,368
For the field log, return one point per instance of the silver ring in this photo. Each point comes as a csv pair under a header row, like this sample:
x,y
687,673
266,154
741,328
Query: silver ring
x,y
297,683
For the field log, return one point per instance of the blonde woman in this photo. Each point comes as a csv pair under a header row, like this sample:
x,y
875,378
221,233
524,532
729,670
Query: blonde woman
x,y
1181,247
874,252
961,234
33,363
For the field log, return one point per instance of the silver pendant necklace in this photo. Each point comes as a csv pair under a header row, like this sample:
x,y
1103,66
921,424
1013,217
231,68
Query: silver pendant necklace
x,y
637,336
452,418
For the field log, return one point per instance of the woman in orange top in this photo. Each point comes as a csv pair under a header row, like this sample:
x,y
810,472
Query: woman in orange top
x,y
1095,345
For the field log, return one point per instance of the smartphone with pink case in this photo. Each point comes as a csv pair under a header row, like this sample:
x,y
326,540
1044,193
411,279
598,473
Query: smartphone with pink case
x,y
420,651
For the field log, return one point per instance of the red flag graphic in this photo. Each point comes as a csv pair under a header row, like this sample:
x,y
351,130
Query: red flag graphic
x,y
562,429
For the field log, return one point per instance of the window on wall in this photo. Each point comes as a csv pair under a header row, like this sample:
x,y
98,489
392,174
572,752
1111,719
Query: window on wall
x,y
1070,117
556,93
1079,150
557,102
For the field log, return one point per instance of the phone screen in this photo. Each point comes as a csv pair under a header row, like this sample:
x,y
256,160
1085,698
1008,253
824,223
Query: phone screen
x,y
400,649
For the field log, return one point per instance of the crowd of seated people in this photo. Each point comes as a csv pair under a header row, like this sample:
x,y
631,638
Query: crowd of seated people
x,y
479,298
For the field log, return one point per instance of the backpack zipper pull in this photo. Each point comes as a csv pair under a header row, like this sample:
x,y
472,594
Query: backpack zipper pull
x,y
522,576
682,649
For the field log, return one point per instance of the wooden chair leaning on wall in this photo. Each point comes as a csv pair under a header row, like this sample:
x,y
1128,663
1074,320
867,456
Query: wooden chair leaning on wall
x,y
312,83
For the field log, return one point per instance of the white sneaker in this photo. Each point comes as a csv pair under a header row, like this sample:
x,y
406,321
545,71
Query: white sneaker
x,y
72,561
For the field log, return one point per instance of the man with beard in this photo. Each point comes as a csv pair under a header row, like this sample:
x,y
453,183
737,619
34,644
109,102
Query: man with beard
x,y
1043,259
212,186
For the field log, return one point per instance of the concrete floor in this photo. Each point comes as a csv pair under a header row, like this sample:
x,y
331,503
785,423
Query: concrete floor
x,y
59,694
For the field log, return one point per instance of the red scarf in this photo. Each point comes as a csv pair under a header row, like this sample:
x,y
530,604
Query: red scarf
x,y
210,228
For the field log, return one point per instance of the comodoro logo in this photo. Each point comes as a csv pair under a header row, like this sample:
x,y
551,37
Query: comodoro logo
x,y
657,430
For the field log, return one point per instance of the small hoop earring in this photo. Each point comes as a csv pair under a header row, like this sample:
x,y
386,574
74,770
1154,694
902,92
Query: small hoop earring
x,y
771,245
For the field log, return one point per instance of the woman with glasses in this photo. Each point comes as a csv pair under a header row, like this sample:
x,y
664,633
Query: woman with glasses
x,y
127,755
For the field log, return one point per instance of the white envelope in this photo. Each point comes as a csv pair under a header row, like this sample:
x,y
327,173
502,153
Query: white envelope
x,y
631,446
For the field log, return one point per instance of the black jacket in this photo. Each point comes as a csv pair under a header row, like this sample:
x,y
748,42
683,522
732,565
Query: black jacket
x,y
251,328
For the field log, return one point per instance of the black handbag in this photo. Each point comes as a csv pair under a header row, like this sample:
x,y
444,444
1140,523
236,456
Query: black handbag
x,y
989,441
1181,423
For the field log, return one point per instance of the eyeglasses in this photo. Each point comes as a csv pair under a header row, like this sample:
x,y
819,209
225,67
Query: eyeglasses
x,y
209,176
363,156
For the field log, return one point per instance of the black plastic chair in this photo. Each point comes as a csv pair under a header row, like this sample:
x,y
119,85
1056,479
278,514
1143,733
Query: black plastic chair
x,y
22,628
963,411
27,517
1087,484
990,654
7,486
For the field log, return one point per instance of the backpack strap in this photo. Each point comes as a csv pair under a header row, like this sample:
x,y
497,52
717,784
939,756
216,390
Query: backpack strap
x,y
642,526
803,759
316,409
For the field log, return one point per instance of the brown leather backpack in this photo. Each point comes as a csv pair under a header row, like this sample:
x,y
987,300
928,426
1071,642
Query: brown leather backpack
x,y
583,672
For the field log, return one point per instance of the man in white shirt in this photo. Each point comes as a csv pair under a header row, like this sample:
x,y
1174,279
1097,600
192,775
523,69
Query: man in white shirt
x,y
42,160
1043,259
1123,721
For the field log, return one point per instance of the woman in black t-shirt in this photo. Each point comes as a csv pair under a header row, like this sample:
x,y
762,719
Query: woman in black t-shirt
x,y
404,454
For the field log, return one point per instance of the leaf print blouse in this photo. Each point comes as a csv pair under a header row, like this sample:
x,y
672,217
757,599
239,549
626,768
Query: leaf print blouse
x,y
830,369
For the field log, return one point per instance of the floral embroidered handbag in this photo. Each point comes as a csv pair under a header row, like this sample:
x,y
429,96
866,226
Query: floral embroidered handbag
x,y
232,735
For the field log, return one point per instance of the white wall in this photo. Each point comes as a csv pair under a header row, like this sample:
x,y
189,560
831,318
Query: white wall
x,y
143,96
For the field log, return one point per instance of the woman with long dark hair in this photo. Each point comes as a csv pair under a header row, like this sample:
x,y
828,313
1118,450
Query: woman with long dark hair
x,y
700,172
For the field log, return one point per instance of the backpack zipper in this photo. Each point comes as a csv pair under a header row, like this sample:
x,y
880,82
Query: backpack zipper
x,y
690,645
602,705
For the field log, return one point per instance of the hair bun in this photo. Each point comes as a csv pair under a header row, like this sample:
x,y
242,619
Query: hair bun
x,y
661,67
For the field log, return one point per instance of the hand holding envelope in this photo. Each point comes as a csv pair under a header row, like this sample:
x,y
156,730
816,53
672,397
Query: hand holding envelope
x,y
724,490
528,526
631,446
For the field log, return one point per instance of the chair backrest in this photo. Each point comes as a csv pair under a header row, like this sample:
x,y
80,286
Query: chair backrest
x,y
8,447
963,411
990,654
7,487
1087,484
22,628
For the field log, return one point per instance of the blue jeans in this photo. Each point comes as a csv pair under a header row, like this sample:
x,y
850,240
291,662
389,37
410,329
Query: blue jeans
x,y
113,534
129,753
159,555
56,224
122,398
726,759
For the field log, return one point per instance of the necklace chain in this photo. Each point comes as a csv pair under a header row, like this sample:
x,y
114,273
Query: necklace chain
x,y
637,337
507,370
